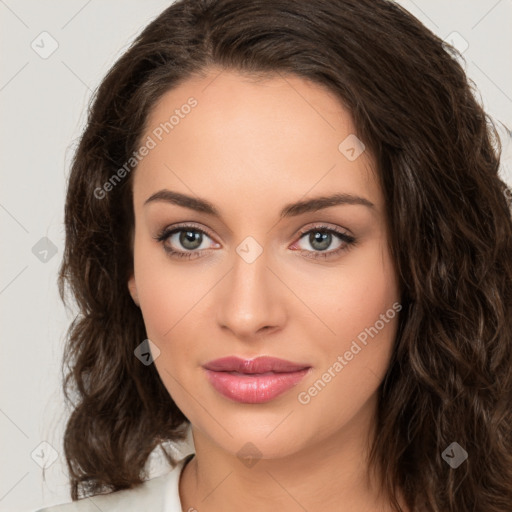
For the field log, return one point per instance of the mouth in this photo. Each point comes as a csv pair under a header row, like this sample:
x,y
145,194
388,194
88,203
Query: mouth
x,y
254,381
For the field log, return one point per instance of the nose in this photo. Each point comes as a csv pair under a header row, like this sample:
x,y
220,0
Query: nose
x,y
251,299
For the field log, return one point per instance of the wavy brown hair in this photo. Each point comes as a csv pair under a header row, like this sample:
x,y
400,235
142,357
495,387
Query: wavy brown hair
x,y
437,155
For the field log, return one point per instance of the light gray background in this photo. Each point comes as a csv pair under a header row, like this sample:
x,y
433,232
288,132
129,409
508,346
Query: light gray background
x,y
43,106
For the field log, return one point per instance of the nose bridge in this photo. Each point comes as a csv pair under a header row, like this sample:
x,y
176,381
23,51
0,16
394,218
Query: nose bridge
x,y
249,299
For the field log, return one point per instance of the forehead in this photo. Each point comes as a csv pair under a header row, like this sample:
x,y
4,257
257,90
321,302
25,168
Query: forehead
x,y
278,137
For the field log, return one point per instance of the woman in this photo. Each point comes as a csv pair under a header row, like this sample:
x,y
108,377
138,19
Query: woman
x,y
285,230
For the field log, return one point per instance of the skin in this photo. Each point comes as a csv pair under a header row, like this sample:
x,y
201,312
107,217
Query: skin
x,y
250,147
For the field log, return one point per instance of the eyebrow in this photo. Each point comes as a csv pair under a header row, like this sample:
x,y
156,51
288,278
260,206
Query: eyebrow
x,y
290,210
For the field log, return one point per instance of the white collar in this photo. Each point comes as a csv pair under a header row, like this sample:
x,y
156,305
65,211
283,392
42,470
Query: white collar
x,y
172,501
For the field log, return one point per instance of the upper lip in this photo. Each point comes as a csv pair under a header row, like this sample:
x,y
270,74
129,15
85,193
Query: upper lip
x,y
261,364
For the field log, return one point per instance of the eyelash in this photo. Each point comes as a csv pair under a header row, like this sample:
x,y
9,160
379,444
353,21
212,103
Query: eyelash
x,y
348,240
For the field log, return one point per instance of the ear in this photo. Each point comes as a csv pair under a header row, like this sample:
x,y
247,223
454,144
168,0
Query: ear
x,y
132,287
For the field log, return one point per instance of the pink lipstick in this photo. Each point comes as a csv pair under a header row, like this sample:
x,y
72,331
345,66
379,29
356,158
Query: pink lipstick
x,y
254,381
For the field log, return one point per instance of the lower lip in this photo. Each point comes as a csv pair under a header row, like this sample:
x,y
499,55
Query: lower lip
x,y
254,388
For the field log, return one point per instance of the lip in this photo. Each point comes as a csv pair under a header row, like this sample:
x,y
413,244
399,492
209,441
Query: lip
x,y
254,381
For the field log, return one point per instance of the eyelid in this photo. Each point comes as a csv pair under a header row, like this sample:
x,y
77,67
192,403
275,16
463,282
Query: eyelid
x,y
325,226
301,232
183,226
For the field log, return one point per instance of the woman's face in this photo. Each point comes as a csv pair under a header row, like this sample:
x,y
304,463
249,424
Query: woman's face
x,y
265,278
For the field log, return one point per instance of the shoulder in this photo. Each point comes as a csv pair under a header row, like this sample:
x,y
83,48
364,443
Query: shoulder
x,y
156,494
148,494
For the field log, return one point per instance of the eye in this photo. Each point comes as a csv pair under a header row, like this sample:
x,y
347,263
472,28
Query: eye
x,y
185,241
189,241
321,238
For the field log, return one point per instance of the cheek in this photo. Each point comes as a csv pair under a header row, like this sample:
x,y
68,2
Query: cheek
x,y
166,291
168,295
352,364
357,295
360,310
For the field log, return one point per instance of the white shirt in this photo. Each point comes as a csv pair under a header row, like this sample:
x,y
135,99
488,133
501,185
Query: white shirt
x,y
159,494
